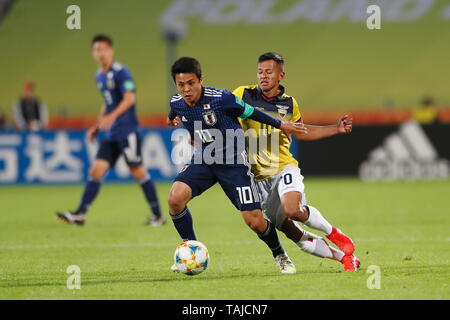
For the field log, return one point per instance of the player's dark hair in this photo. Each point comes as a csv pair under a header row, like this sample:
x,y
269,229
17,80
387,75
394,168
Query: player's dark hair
x,y
102,38
186,65
272,56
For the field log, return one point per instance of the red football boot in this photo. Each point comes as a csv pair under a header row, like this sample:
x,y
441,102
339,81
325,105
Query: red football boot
x,y
351,263
342,241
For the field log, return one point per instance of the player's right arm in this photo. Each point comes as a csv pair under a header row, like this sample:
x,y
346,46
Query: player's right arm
x,y
172,119
93,130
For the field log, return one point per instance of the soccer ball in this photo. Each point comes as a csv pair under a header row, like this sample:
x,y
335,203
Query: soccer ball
x,y
191,257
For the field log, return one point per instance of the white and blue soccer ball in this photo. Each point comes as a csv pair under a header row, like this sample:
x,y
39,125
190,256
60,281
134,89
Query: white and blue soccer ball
x,y
191,257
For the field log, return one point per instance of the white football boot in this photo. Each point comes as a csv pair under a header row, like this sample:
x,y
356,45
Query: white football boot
x,y
155,221
285,264
71,218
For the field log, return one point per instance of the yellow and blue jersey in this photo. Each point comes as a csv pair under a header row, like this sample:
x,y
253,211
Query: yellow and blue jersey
x,y
266,159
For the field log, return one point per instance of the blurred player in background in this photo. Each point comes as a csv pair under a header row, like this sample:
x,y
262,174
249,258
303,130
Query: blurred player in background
x,y
279,180
211,114
30,114
122,137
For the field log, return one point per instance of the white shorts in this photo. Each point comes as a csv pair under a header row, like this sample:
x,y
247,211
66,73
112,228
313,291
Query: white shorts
x,y
272,189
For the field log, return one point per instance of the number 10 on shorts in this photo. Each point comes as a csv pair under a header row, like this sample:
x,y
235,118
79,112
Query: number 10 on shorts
x,y
245,194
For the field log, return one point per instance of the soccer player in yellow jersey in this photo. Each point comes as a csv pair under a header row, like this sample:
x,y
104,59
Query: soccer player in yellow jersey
x,y
278,177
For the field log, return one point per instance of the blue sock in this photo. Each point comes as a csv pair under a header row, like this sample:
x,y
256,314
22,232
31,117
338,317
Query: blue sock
x,y
90,192
149,189
184,225
270,237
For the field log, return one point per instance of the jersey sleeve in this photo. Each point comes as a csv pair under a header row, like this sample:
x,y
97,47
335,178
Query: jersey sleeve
x,y
239,92
234,106
172,114
125,81
296,116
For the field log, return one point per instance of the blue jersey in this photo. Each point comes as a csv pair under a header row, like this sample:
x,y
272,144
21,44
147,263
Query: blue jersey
x,y
112,85
214,127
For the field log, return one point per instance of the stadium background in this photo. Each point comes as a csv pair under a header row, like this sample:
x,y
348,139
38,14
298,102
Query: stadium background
x,y
330,64
334,65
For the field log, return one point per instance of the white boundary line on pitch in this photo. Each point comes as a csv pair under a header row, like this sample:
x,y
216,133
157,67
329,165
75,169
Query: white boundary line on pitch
x,y
172,244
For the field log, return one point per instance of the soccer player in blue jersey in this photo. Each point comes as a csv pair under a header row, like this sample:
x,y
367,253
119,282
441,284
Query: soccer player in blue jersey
x,y
121,129
211,117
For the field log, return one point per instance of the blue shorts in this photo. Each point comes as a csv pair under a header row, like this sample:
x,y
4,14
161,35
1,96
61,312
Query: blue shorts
x,y
130,147
236,181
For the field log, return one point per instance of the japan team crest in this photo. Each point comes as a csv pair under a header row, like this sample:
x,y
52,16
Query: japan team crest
x,y
210,118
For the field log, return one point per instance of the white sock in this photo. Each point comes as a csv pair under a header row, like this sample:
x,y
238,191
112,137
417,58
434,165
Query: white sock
x,y
313,244
317,221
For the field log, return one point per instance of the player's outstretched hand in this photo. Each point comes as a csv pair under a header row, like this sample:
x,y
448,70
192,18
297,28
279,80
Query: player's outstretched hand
x,y
293,127
175,122
92,133
345,124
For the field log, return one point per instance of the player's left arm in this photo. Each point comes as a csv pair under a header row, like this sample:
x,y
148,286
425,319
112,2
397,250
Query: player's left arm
x,y
314,132
234,106
128,90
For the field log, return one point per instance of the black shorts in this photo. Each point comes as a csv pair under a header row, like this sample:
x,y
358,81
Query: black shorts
x,y
236,181
130,147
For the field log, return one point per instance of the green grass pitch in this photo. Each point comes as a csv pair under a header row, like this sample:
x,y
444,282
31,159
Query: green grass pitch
x,y
401,227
